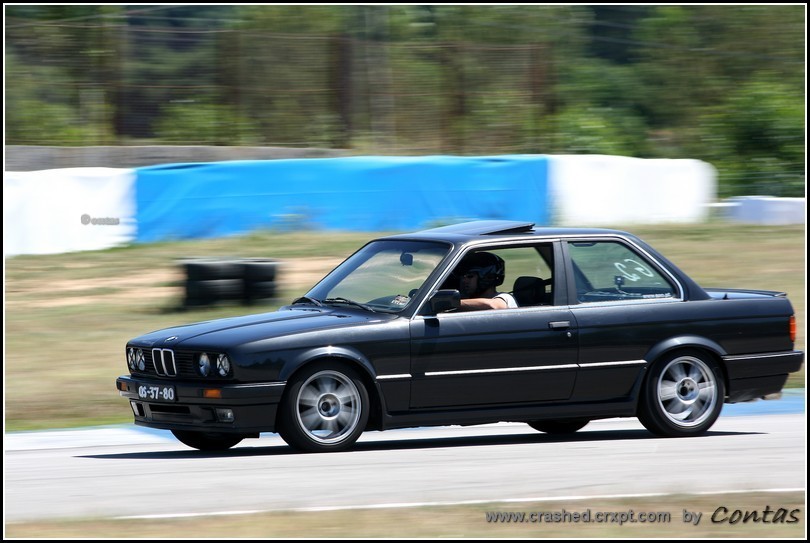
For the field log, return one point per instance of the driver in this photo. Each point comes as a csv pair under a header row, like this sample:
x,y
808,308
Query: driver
x,y
479,274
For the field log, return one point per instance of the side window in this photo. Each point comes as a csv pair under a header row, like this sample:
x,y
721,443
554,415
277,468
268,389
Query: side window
x,y
527,273
610,271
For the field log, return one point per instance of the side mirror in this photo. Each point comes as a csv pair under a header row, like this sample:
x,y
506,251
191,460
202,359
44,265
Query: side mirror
x,y
445,300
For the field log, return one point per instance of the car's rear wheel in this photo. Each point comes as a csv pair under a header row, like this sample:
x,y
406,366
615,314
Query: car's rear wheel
x,y
559,426
207,441
683,395
325,409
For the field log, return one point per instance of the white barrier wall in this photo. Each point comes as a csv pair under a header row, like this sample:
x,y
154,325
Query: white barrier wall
x,y
766,210
600,190
78,209
74,209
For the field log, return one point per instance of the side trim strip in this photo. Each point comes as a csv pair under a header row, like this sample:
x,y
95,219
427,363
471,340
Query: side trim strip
x,y
499,370
621,363
756,356
536,368
394,376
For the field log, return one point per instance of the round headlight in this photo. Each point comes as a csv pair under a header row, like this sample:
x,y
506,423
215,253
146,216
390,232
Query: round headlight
x,y
223,365
131,362
204,365
140,360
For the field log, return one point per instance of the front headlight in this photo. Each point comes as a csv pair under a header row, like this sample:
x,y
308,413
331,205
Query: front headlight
x,y
223,365
140,361
131,361
204,365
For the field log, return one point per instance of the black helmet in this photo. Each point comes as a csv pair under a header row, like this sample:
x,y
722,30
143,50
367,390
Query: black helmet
x,y
489,267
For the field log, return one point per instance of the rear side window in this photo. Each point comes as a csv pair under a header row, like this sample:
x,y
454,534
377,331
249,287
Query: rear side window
x,y
611,271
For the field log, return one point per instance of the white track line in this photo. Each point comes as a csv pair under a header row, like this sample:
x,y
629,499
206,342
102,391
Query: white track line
x,y
407,505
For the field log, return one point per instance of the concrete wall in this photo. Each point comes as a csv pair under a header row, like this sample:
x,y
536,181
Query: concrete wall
x,y
601,190
28,158
366,194
78,208
766,210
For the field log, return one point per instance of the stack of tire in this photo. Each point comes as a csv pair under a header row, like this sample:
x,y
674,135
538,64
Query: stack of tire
x,y
210,281
259,276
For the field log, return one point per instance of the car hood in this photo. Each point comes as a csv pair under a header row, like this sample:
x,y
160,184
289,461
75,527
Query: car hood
x,y
224,333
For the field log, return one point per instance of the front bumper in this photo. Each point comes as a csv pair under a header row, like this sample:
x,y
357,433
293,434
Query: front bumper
x,y
200,406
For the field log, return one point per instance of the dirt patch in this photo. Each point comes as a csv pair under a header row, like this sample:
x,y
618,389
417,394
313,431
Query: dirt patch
x,y
303,273
152,287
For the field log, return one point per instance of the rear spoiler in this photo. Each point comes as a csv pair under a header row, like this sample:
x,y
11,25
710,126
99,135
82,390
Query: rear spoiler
x,y
734,293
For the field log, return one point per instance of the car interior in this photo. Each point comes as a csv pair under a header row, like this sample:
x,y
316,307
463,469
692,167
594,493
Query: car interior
x,y
528,273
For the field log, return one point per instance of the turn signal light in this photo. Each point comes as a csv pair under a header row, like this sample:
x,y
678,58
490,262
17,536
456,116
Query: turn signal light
x,y
212,393
793,328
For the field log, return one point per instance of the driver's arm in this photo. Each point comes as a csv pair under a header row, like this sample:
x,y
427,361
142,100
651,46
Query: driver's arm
x,y
472,304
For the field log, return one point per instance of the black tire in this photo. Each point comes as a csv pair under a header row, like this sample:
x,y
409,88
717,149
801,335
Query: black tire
x,y
683,394
207,441
259,290
206,270
259,270
559,426
324,409
213,290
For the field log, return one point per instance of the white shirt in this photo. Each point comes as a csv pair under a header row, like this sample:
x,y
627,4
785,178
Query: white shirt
x,y
508,298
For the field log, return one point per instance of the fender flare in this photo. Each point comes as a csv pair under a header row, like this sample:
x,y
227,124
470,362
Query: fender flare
x,y
684,342
671,344
687,342
350,356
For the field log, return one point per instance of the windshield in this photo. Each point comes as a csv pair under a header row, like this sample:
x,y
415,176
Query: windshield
x,y
382,276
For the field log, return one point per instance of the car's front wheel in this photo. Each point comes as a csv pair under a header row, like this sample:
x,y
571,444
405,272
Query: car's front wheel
x,y
325,409
207,441
683,395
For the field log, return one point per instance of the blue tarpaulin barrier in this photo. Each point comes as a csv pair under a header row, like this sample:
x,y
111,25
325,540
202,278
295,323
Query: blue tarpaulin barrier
x,y
185,201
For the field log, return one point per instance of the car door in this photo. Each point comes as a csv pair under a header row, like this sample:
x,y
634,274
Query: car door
x,y
624,302
495,357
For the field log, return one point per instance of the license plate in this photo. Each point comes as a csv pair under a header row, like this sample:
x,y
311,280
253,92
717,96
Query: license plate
x,y
161,393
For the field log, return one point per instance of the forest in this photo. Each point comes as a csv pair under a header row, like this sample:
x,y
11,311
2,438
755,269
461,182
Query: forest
x,y
719,83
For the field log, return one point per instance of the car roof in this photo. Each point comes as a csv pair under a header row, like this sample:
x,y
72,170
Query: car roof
x,y
499,229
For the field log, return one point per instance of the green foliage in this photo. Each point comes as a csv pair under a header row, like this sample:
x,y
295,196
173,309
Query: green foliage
x,y
758,140
298,19
600,113
193,122
585,129
724,84
42,110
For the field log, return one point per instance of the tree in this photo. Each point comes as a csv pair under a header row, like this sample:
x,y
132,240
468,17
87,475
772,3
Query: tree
x,y
725,84
757,139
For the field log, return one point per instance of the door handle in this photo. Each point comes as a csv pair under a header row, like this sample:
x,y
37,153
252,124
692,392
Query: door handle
x,y
559,325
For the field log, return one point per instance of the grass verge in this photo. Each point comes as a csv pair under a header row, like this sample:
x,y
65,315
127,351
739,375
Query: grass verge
x,y
736,516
